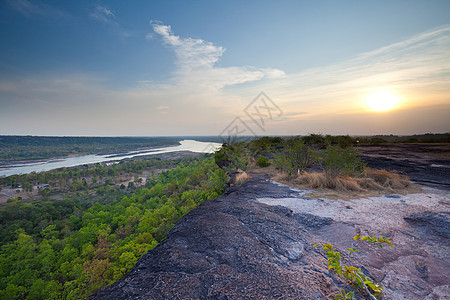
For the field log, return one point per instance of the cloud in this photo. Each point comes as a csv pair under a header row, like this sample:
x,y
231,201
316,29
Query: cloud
x,y
103,14
191,53
196,59
34,8
108,17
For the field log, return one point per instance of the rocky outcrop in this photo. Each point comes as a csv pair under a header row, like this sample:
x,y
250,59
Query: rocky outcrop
x,y
233,248
427,164
236,247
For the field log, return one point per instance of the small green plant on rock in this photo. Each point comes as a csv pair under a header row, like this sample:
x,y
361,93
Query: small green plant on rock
x,y
353,274
344,295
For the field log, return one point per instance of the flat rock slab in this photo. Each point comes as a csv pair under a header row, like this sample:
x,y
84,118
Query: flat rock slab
x,y
419,265
424,163
236,247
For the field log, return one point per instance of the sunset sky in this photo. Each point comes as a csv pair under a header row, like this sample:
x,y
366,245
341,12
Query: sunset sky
x,y
146,68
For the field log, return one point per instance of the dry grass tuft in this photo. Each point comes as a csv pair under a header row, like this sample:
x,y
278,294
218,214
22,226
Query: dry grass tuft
x,y
241,178
283,176
323,181
373,180
372,183
388,179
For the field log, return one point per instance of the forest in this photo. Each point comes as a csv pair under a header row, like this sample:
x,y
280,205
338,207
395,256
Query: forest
x,y
69,248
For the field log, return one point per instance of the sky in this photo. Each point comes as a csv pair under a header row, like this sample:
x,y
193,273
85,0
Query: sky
x,y
156,68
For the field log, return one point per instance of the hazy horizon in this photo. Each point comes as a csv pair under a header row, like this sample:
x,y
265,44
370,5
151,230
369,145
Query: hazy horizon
x,y
217,136
198,68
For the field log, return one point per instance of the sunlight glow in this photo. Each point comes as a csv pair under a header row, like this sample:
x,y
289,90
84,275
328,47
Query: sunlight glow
x,y
382,101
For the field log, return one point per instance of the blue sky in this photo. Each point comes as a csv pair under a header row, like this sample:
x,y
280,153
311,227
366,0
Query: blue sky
x,y
191,67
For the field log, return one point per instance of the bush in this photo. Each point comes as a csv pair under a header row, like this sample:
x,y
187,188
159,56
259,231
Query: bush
x,y
335,161
262,161
264,145
234,155
221,158
295,157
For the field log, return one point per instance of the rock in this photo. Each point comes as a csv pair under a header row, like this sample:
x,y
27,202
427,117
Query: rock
x,y
439,293
312,221
438,223
232,248
235,247
393,196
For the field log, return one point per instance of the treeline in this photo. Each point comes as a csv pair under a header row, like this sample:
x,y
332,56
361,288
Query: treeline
x,y
42,147
70,248
346,140
416,138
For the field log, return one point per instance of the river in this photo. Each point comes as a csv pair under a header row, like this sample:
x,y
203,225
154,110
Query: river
x,y
50,164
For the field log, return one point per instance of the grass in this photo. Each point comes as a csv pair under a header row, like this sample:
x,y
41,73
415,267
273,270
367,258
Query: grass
x,y
372,183
372,180
241,178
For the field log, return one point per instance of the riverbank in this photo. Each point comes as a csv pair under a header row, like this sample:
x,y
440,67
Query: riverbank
x,y
46,165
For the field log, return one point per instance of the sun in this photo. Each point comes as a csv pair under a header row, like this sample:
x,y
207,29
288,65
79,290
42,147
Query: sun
x,y
382,101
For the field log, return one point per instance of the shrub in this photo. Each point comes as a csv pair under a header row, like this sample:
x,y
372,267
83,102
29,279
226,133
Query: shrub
x,y
295,157
264,145
335,161
221,158
262,161
232,157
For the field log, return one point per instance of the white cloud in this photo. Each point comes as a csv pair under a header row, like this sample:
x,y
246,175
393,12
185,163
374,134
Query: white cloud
x,y
103,14
108,17
35,8
196,59
191,53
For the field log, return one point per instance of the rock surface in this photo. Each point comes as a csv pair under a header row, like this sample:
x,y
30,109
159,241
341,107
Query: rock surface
x,y
424,163
235,247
